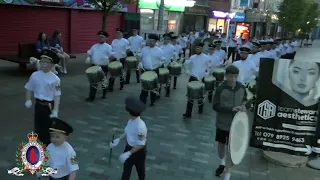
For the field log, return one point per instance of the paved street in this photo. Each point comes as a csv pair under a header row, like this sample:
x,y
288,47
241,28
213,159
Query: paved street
x,y
177,149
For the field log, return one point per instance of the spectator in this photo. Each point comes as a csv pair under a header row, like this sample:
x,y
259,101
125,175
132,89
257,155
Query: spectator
x,y
56,46
42,43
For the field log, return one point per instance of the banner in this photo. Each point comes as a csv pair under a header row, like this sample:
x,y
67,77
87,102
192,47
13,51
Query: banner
x,y
74,4
287,107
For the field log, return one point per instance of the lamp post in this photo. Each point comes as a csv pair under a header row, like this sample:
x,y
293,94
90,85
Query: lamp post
x,y
160,18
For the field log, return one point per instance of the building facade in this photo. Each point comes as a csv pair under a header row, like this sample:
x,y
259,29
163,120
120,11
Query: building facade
x,y
219,15
196,18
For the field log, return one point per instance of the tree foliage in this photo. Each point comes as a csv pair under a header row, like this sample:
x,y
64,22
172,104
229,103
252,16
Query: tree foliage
x,y
108,6
292,13
310,19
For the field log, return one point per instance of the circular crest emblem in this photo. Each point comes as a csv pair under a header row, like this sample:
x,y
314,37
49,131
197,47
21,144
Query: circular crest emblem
x,y
32,156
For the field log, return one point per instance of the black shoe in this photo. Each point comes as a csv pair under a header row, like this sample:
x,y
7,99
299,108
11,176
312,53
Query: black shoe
x,y
167,95
127,83
89,99
138,81
185,115
210,101
220,170
157,97
121,88
103,97
151,104
110,90
174,88
200,112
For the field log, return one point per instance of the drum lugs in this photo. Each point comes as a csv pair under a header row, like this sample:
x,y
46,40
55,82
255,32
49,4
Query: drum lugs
x,y
94,74
209,83
195,90
115,68
131,62
175,68
163,75
149,80
219,73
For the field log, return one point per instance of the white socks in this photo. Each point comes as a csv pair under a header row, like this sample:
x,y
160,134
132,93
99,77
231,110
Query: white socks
x,y
227,176
222,162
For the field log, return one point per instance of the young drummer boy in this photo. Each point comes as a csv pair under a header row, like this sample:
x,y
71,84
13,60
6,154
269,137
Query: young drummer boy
x,y
62,156
230,97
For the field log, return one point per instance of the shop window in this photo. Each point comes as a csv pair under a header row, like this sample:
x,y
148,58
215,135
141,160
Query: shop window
x,y
146,19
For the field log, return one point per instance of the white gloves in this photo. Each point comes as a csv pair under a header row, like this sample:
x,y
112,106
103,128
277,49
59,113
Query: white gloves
x,y
28,104
124,156
54,114
88,60
114,143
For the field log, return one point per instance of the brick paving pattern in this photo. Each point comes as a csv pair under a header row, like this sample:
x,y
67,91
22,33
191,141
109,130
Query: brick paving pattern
x,y
177,149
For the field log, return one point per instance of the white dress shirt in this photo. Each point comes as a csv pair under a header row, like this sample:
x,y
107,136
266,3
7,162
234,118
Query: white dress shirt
x,y
178,49
290,48
62,158
283,49
224,42
215,60
182,41
136,132
199,65
247,69
136,43
255,58
99,52
221,54
120,47
232,43
151,58
45,86
168,53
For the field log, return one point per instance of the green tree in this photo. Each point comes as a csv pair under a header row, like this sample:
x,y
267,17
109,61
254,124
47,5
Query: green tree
x,y
108,6
292,14
310,19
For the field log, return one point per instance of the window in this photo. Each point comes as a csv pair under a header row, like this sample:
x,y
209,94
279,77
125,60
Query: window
x,y
146,19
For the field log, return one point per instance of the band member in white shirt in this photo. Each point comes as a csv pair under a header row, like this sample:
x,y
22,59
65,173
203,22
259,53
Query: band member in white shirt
x,y
120,47
135,133
255,54
179,51
151,58
45,87
200,65
232,46
224,42
290,49
219,52
100,54
264,52
136,43
169,54
183,42
248,70
283,48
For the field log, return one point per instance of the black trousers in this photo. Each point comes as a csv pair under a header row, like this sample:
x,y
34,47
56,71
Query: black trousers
x,y
128,75
42,120
224,48
93,87
232,52
190,102
137,159
184,52
112,79
63,178
144,94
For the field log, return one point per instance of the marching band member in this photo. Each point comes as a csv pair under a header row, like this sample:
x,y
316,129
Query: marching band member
x,y
135,133
264,52
45,86
283,48
290,49
276,51
179,51
232,46
151,58
99,55
219,52
62,155
120,46
168,52
229,98
224,42
248,70
135,42
200,64
255,54
183,42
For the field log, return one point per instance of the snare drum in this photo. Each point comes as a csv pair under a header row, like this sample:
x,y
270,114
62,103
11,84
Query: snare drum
x,y
175,68
95,74
219,73
209,83
115,69
149,81
252,86
163,75
131,62
195,90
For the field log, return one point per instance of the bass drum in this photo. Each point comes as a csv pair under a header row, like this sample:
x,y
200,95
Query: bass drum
x,y
163,75
209,83
175,68
149,81
115,69
219,73
95,74
195,90
131,62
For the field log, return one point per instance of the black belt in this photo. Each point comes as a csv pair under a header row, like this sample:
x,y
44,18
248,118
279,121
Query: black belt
x,y
62,178
43,102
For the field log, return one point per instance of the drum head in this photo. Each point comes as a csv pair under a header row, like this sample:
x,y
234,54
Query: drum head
x,y
163,71
93,69
252,83
195,85
115,65
209,79
131,58
219,70
239,137
149,76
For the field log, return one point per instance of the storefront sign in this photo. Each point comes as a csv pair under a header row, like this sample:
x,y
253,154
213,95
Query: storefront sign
x,y
244,3
74,4
222,15
239,17
287,107
198,10
255,16
169,5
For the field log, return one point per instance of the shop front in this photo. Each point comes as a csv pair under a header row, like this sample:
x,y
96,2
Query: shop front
x,y
219,21
149,14
195,18
239,17
257,21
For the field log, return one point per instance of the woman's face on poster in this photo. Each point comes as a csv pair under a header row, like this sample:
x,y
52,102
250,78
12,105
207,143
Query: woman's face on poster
x,y
303,76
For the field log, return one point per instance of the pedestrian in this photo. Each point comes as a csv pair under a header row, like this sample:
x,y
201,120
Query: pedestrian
x,y
62,156
230,97
45,86
135,133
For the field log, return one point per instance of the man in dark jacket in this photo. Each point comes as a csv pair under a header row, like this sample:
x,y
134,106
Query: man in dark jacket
x,y
230,97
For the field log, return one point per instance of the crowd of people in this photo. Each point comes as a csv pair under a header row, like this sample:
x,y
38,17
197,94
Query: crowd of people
x,y
207,53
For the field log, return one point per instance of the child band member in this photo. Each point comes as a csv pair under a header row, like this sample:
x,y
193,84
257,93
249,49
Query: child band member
x,y
45,86
136,137
229,98
62,156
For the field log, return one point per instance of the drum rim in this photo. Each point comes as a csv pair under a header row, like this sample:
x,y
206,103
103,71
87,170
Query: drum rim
x,y
92,67
235,157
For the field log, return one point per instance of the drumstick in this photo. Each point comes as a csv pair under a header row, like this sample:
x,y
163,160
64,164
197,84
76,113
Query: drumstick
x,y
110,153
